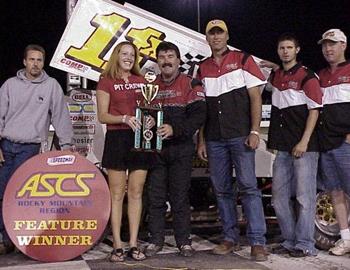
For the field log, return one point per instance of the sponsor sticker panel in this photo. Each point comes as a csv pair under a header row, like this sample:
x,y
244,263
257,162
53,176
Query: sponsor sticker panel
x,y
88,132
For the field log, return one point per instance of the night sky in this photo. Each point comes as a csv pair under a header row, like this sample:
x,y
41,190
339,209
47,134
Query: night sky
x,y
254,26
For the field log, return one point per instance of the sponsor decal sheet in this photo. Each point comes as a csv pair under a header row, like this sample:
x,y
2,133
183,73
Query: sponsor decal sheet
x,y
97,26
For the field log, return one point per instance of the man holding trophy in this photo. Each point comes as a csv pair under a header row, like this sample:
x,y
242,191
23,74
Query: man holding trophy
x,y
183,111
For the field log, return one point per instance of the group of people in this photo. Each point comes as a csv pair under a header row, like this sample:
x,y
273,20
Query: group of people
x,y
310,131
308,128
304,123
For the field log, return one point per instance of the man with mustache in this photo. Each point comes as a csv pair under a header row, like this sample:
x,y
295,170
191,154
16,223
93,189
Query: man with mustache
x,y
28,103
334,126
183,103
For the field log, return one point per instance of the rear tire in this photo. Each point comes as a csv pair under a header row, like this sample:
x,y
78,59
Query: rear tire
x,y
324,241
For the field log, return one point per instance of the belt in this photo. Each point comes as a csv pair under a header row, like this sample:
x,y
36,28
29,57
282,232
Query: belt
x,y
24,143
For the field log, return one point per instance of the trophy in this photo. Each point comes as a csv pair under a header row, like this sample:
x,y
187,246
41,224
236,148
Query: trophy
x,y
145,134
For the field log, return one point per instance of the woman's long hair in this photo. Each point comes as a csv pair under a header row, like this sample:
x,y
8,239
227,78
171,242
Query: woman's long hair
x,y
112,69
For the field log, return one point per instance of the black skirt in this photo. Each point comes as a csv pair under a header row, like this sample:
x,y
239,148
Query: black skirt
x,y
118,153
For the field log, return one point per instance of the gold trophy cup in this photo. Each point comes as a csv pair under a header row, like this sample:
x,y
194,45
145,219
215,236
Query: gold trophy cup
x,y
144,135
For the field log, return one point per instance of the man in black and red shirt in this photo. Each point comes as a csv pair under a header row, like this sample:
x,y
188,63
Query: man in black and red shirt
x,y
231,134
296,98
184,108
334,126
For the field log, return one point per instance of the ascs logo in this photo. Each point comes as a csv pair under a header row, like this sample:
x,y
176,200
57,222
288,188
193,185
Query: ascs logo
x,y
50,184
56,213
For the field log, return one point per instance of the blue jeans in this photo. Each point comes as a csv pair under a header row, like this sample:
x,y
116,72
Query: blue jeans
x,y
14,154
223,155
296,177
335,168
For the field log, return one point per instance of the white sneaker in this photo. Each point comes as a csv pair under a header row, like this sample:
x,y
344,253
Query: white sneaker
x,y
340,248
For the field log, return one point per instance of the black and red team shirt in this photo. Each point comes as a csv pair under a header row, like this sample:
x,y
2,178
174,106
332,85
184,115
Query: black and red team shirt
x,y
183,104
334,120
123,96
294,93
228,103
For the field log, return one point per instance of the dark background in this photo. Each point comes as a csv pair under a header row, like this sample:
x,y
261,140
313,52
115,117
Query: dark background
x,y
254,25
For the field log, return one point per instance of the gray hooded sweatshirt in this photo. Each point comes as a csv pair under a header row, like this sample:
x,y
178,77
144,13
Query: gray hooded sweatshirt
x,y
27,107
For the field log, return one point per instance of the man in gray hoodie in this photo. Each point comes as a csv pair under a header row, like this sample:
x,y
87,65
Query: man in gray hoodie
x,y
29,102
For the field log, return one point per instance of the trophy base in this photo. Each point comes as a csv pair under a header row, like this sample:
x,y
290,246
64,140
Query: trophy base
x,y
146,138
146,150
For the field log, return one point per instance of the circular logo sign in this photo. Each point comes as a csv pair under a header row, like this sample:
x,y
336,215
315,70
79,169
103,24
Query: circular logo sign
x,y
56,206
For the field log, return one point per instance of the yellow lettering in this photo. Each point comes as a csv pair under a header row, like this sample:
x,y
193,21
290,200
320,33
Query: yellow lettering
x,y
146,40
45,184
108,30
60,240
73,240
85,190
53,225
85,240
56,240
46,240
78,225
43,225
81,183
59,183
30,185
47,190
19,224
36,240
91,224
31,225
65,225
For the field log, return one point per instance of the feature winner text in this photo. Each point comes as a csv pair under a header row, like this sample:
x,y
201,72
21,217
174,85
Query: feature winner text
x,y
40,226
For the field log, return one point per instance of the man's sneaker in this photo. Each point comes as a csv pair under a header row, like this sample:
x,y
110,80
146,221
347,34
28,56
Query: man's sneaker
x,y
152,250
258,253
186,250
225,247
340,248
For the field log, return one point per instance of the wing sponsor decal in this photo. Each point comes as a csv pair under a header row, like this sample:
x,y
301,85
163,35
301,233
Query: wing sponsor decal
x,y
96,26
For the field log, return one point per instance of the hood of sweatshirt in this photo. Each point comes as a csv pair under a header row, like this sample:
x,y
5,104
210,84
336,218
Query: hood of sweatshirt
x,y
21,75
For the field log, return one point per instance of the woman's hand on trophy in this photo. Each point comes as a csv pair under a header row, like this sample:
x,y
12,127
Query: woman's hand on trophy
x,y
165,131
132,122
150,122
